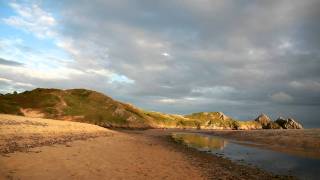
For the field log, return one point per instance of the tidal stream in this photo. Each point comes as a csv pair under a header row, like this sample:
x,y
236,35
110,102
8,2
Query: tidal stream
x,y
244,153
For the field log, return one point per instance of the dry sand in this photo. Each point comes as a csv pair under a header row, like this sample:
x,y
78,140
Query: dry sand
x,y
34,148
18,133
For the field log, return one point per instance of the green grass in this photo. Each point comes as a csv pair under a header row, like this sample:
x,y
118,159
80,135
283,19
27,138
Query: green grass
x,y
97,108
87,106
9,107
11,103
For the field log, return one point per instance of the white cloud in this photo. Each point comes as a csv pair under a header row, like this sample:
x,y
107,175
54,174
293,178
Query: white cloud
x,y
120,79
285,45
158,67
32,19
101,72
148,43
215,90
167,101
24,84
5,80
306,85
281,97
8,85
43,74
68,45
37,64
165,54
257,54
113,77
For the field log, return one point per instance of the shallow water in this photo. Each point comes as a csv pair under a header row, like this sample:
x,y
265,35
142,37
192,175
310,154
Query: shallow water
x,y
272,161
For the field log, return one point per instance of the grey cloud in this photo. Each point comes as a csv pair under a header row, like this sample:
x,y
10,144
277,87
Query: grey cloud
x,y
212,44
281,97
232,44
9,62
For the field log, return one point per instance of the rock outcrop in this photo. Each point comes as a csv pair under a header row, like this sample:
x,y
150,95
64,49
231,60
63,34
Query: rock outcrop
x,y
280,123
288,123
273,125
264,120
222,116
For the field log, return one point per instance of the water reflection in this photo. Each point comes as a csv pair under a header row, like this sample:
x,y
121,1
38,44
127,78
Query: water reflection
x,y
201,142
276,162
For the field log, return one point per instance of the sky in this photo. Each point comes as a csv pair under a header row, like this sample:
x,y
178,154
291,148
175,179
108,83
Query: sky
x,y
240,57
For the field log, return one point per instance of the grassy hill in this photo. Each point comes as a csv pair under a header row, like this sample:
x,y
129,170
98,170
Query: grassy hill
x,y
75,105
201,120
96,108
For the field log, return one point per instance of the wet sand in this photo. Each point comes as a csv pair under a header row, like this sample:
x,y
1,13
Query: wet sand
x,y
105,154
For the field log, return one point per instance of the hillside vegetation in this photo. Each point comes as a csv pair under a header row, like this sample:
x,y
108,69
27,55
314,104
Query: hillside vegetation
x,y
96,108
75,105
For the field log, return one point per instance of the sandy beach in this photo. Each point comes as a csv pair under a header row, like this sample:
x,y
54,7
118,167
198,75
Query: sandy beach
x,y
50,149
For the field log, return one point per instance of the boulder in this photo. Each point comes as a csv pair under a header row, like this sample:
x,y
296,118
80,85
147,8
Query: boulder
x,y
288,123
264,120
281,121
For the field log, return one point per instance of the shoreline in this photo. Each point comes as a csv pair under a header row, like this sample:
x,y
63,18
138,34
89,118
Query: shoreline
x,y
214,167
304,143
59,153
203,165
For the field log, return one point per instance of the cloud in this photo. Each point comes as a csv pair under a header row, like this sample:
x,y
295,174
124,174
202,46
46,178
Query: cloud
x,y
9,62
307,85
167,101
234,56
228,55
32,19
281,97
56,74
215,90
113,77
165,54
8,85
67,44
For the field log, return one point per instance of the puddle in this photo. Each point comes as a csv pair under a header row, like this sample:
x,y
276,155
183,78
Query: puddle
x,y
272,161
